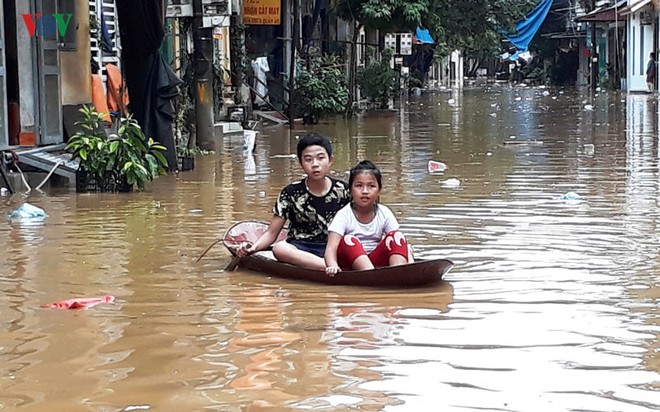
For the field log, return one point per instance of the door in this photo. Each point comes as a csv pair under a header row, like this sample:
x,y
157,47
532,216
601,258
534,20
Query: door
x,y
48,74
641,46
4,140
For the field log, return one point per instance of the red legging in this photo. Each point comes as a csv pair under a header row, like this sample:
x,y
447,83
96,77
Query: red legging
x,y
350,248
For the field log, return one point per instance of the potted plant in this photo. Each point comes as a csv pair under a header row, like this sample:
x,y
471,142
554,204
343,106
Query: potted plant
x,y
114,162
186,157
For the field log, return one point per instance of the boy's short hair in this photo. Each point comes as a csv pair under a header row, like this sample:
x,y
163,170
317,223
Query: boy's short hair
x,y
313,139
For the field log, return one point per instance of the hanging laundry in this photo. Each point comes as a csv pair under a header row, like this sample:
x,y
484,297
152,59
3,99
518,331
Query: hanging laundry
x,y
99,99
117,93
260,68
107,45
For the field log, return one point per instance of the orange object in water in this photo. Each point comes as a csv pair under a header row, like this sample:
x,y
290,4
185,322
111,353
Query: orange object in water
x,y
116,89
80,303
98,96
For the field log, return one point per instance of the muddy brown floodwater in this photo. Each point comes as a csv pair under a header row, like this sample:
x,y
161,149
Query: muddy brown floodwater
x,y
552,304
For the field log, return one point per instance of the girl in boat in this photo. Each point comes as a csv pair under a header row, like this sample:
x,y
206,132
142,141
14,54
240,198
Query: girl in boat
x,y
365,234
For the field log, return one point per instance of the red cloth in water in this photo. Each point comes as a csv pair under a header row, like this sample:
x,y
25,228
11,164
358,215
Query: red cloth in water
x,y
77,303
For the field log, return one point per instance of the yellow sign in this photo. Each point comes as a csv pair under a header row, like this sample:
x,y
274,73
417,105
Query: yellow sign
x,y
261,12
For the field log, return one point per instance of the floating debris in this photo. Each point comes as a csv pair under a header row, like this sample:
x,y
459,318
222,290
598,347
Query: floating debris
x,y
589,148
451,183
570,196
436,167
79,303
523,143
28,211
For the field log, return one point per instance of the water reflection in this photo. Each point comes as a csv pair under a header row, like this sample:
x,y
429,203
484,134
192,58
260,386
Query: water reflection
x,y
552,303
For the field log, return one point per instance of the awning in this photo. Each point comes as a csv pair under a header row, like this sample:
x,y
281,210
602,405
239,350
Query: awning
x,y
605,14
631,8
526,29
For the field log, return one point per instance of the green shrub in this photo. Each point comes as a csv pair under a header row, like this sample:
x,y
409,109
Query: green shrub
x,y
378,81
322,90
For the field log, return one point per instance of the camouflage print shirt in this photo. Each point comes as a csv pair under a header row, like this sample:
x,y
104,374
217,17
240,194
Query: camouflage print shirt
x,y
310,215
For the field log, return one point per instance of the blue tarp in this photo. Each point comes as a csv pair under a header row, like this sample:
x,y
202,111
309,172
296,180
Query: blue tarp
x,y
423,36
528,27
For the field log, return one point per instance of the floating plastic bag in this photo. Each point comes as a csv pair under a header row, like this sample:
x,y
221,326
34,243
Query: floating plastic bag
x,y
28,211
570,196
451,183
436,167
80,303
249,141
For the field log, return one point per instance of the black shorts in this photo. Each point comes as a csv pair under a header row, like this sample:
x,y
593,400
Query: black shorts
x,y
315,248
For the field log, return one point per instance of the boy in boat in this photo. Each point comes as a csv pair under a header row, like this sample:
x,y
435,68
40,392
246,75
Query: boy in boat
x,y
309,205
365,234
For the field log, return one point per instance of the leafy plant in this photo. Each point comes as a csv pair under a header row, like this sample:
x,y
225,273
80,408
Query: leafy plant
x,y
321,89
126,153
134,155
379,81
90,143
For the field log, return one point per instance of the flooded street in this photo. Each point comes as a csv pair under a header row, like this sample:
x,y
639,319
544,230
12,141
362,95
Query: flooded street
x,y
552,305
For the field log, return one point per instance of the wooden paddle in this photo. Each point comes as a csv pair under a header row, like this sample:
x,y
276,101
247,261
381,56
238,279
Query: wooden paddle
x,y
232,264
207,250
235,260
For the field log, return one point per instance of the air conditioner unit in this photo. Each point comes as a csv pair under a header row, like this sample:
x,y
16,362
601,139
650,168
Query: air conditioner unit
x,y
646,17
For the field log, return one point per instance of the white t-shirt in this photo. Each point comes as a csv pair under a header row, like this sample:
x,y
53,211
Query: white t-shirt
x,y
370,234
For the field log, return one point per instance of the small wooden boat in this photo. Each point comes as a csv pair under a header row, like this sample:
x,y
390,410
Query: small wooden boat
x,y
414,274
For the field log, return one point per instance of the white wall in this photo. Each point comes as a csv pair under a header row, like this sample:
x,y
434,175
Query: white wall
x,y
26,75
639,45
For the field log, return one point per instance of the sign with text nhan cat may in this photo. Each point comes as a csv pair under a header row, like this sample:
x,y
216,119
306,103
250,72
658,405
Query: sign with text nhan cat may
x,y
261,12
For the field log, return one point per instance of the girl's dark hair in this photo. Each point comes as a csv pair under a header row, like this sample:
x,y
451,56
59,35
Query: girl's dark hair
x,y
313,139
365,166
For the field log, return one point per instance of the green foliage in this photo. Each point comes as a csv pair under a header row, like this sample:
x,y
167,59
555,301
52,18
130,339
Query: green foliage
x,y
139,158
322,89
126,153
470,26
388,15
90,144
379,81
473,26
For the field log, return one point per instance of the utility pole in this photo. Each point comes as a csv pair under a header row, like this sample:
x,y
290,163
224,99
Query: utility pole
x,y
203,78
292,65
